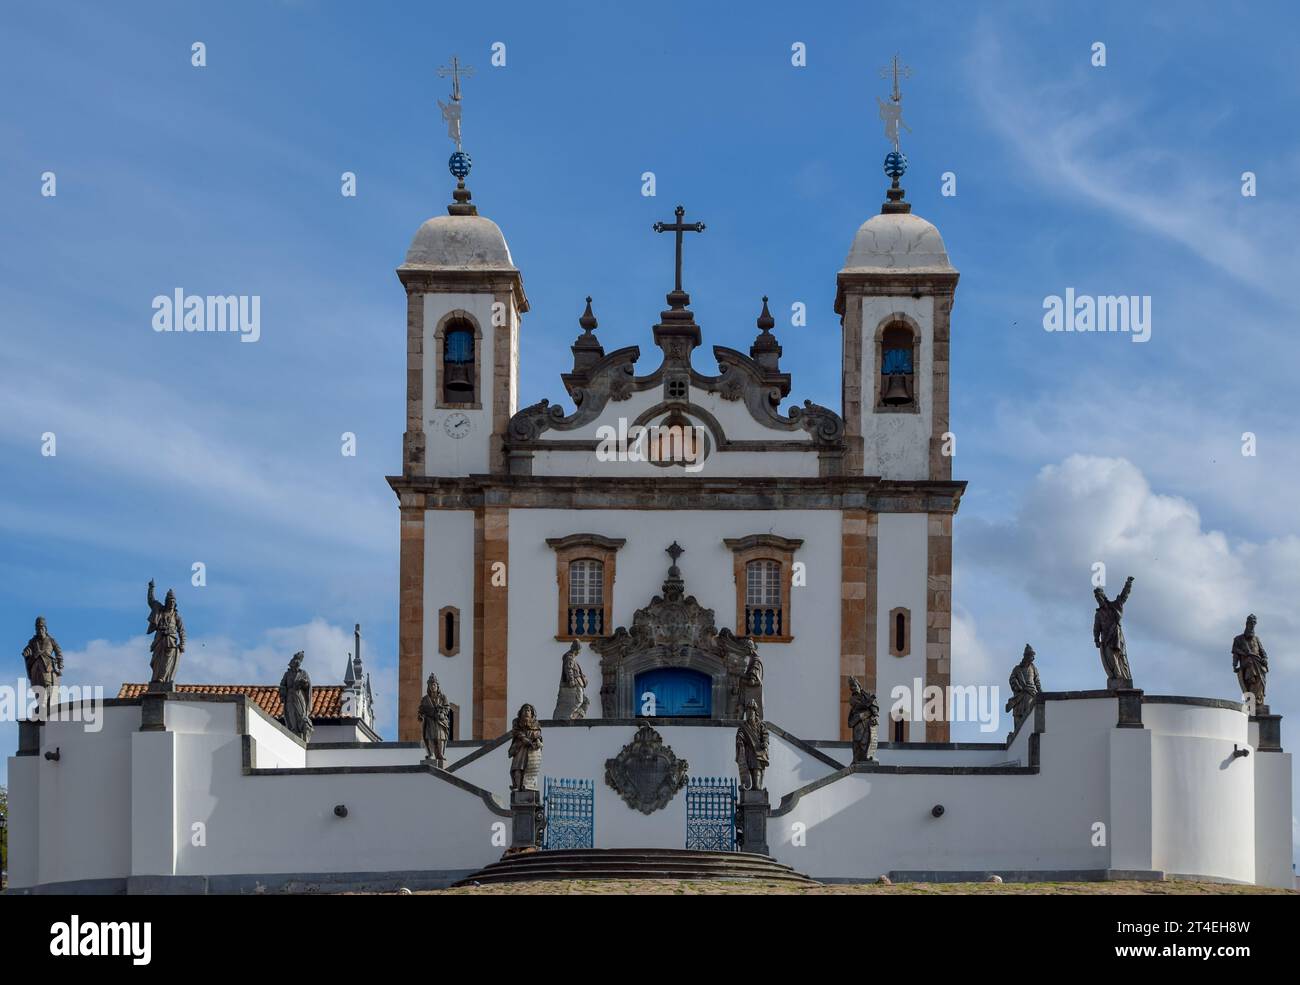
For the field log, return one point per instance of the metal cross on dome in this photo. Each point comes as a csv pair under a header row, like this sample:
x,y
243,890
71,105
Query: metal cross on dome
x,y
679,227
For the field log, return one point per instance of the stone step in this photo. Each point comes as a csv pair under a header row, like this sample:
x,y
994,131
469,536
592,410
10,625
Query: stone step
x,y
635,863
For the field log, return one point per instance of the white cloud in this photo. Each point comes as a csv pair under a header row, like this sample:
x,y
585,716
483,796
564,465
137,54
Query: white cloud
x,y
1193,588
1101,149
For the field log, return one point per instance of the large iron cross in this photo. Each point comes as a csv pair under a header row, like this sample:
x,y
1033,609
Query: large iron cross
x,y
679,227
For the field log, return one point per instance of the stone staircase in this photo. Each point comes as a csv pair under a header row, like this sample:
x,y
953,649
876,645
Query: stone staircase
x,y
634,863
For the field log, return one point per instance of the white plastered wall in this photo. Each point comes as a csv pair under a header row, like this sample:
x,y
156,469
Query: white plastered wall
x,y
901,582
449,580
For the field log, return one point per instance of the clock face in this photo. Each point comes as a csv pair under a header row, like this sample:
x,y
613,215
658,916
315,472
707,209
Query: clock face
x,y
457,425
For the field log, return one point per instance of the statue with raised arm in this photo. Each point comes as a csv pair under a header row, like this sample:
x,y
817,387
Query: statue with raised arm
x,y
751,749
434,715
750,687
295,693
1025,686
572,702
1250,664
44,662
1108,636
863,721
525,749
168,631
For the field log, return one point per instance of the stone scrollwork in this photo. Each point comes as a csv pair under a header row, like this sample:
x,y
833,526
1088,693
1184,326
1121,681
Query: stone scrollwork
x,y
825,426
529,423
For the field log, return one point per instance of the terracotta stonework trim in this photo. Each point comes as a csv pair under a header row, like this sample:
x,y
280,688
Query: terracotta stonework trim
x,y
851,388
579,547
765,547
491,633
940,464
413,441
938,631
854,582
505,379
410,623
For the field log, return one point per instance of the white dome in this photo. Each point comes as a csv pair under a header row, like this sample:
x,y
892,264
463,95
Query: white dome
x,y
898,241
459,242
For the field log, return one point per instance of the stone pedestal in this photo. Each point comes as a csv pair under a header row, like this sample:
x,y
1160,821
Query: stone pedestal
x,y
527,819
1270,731
1130,707
152,708
751,821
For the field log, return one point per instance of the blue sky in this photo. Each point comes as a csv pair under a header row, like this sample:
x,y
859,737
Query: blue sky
x,y
225,179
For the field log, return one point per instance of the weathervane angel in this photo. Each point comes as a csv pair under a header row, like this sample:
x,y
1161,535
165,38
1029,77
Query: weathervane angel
x,y
891,112
451,110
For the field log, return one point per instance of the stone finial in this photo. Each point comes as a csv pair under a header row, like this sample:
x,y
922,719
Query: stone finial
x,y
587,350
766,351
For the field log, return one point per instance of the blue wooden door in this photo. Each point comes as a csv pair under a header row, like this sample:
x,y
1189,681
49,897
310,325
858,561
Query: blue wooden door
x,y
678,692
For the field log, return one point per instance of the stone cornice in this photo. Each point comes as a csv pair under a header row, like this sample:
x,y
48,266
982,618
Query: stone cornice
x,y
773,541
421,281
586,540
876,283
678,492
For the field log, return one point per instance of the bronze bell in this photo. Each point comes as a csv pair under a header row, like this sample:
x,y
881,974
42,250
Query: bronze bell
x,y
898,389
458,381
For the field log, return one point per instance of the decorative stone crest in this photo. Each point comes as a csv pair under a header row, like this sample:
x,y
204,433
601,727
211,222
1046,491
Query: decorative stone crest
x,y
647,774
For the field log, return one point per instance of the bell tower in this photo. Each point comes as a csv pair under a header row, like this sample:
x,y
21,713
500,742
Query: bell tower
x,y
894,296
464,302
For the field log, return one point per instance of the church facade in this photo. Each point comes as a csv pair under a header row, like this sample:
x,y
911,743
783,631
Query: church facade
x,y
707,589
825,535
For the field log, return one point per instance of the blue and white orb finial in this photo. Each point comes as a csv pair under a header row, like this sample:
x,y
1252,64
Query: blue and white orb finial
x,y
895,164
459,164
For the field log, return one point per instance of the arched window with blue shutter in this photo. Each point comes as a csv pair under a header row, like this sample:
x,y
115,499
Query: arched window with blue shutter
x,y
459,376
897,370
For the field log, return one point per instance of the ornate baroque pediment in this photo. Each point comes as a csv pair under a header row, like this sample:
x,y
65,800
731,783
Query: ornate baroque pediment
x,y
597,379
674,630
646,773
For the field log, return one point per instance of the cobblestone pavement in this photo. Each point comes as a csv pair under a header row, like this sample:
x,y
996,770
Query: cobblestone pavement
x,y
669,887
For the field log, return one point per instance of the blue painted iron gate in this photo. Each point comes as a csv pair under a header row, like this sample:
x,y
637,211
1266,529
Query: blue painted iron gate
x,y
711,814
570,813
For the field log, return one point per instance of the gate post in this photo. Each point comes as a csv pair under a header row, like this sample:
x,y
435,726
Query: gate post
x,y
751,821
528,820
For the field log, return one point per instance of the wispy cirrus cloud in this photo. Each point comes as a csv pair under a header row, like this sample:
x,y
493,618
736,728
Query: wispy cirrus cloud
x,y
1100,149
